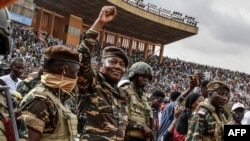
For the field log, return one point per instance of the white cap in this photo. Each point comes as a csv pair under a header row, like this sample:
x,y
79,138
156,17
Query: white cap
x,y
237,105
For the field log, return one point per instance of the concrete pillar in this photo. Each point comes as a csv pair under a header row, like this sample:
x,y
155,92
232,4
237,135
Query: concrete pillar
x,y
72,30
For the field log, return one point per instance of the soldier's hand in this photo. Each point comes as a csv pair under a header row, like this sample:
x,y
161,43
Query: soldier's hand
x,y
194,81
107,14
177,111
16,95
200,76
147,131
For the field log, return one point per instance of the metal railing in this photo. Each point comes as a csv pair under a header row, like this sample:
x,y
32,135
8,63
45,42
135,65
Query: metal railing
x,y
163,12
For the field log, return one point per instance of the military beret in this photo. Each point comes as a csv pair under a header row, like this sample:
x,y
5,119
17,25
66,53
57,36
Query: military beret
x,y
62,53
112,51
216,85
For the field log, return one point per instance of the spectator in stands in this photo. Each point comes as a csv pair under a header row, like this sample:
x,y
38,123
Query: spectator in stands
x,y
13,78
238,110
168,113
156,100
165,102
246,118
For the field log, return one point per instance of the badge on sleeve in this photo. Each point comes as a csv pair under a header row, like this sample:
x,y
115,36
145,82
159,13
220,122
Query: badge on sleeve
x,y
80,57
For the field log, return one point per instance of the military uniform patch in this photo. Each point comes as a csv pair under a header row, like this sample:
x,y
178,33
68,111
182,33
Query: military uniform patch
x,y
202,112
216,85
137,110
80,57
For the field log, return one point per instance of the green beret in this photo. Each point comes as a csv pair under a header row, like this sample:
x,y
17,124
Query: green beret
x,y
112,51
216,85
62,53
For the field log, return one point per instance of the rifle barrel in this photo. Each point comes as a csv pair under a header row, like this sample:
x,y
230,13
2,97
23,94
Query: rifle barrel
x,y
10,109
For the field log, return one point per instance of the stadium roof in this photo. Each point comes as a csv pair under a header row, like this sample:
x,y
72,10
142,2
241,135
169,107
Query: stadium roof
x,y
130,21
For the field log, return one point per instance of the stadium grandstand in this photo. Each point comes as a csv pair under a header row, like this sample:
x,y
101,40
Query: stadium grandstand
x,y
140,28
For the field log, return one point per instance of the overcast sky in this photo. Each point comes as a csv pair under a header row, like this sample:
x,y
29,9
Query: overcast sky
x,y
223,39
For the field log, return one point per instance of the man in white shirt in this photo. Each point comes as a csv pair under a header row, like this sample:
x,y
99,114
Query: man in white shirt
x,y
16,71
246,118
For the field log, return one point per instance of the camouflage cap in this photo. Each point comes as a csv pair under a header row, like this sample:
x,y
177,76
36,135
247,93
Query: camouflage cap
x,y
62,53
216,85
112,51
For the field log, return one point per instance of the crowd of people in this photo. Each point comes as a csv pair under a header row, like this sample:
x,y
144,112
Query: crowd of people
x,y
172,74
75,92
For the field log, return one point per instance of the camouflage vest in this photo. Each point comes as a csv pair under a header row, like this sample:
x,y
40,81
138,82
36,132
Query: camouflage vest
x,y
139,111
5,113
219,124
66,128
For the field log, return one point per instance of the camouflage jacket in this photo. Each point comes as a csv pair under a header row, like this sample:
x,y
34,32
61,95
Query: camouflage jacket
x,y
205,124
4,112
104,104
27,84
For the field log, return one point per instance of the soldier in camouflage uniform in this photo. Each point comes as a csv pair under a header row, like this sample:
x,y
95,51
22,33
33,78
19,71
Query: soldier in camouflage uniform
x,y
103,102
140,114
207,121
44,111
5,44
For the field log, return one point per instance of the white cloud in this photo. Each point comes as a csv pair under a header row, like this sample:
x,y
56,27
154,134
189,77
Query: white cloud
x,y
223,36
